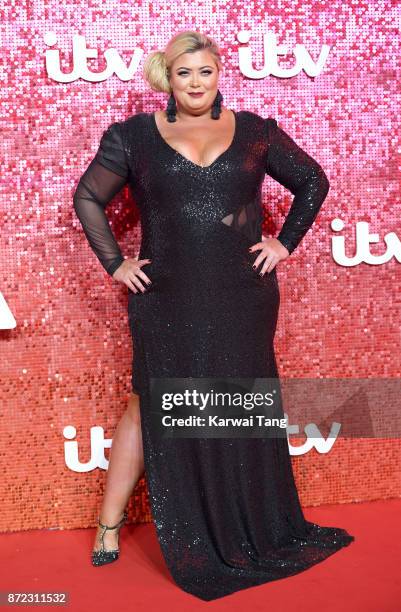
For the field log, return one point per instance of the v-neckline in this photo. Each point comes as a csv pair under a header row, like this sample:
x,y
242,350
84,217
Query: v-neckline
x,y
189,161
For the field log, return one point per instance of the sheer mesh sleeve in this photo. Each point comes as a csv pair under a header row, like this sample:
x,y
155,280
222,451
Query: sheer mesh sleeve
x,y
293,168
105,176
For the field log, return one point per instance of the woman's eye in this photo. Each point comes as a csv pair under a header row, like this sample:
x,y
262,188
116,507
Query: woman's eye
x,y
203,72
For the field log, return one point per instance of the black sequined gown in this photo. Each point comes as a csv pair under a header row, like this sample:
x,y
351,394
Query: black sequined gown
x,y
227,511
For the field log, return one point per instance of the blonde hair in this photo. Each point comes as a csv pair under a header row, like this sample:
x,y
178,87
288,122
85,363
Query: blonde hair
x,y
156,69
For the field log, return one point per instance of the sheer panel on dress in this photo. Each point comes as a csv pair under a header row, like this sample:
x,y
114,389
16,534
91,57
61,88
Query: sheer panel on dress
x,y
96,188
105,176
247,220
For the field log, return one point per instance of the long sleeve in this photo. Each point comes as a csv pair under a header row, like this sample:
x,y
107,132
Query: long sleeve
x,y
105,176
293,168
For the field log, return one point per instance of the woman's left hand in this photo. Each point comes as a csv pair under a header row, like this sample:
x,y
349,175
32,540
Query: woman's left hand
x,y
272,251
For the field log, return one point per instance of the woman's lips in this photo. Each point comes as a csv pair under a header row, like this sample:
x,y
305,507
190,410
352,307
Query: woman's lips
x,y
196,95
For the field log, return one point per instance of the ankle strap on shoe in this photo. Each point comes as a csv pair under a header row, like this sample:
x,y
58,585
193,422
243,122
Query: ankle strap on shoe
x,y
120,522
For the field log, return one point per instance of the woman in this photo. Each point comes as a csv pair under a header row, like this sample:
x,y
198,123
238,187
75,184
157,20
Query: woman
x,y
203,301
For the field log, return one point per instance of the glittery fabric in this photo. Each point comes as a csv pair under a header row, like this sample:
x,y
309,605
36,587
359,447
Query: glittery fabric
x,y
227,511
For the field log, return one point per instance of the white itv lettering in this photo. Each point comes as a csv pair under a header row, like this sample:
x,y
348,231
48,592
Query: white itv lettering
x,y
98,443
271,51
314,438
116,65
80,53
362,241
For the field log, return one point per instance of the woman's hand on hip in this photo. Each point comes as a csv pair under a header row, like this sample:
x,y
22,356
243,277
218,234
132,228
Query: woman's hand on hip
x,y
131,274
272,251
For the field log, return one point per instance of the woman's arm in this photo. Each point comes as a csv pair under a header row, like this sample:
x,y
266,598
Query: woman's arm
x,y
293,168
105,176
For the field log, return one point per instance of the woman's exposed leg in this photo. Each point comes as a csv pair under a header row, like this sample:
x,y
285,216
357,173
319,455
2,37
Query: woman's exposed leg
x,y
126,466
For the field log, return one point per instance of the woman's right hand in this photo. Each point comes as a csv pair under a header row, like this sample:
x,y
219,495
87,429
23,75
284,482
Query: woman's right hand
x,y
130,274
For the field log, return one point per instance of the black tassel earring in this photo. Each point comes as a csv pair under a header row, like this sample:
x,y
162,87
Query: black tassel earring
x,y
171,109
216,106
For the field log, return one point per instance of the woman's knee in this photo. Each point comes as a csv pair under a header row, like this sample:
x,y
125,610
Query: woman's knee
x,y
133,408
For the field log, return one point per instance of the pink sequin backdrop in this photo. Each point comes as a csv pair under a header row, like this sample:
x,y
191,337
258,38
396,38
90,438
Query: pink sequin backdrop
x,y
68,360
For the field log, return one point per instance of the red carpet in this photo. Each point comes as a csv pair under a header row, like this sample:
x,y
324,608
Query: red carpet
x,y
364,577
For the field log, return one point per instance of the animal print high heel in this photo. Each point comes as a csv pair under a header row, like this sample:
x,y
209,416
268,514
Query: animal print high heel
x,y
103,556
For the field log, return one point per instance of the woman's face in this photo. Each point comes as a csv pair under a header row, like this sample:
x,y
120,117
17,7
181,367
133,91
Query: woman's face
x,y
191,73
